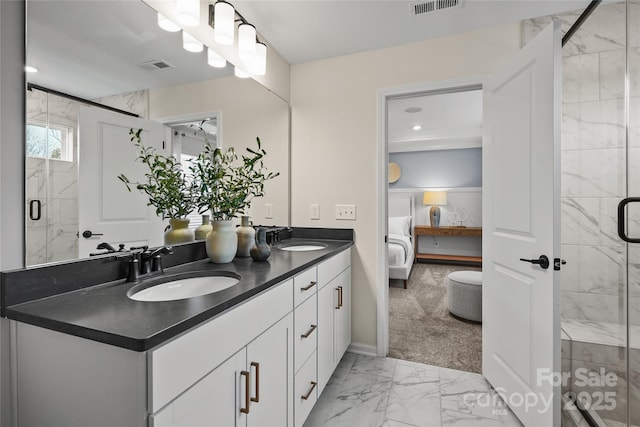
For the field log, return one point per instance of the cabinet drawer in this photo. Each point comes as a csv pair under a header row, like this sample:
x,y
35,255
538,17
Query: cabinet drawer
x,y
332,267
305,391
306,331
304,285
177,365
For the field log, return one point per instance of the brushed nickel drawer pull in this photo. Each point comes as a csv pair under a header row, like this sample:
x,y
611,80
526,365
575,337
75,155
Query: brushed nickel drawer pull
x,y
247,387
311,329
257,366
339,288
313,386
309,286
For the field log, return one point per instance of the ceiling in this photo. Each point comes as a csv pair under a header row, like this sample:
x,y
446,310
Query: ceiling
x,y
309,30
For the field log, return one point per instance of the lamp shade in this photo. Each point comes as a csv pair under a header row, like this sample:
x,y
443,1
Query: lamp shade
x,y
260,63
435,198
247,42
190,43
167,24
188,12
224,26
215,60
240,73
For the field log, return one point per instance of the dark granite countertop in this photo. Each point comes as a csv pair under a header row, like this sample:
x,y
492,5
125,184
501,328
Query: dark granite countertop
x,y
106,314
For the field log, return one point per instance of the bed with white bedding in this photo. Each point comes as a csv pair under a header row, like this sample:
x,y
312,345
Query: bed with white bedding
x,y
401,253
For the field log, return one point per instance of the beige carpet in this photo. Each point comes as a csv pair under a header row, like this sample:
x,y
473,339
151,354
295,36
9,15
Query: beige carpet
x,y
421,328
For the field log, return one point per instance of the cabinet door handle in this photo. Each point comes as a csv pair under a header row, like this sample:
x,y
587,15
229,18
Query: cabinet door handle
x,y
313,386
311,329
257,366
247,387
309,286
339,289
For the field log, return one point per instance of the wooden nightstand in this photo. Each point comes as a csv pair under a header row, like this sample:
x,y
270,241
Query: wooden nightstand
x,y
425,230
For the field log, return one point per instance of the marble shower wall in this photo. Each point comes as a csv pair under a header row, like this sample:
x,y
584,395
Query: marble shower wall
x,y
55,182
594,163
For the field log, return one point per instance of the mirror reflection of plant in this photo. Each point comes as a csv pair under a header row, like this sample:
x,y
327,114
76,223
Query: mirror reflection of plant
x,y
226,184
170,189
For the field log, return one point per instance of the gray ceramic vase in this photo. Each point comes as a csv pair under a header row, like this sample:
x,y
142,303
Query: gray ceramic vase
x,y
260,250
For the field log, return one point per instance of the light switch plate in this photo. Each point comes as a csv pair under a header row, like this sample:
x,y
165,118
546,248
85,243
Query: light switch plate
x,y
314,211
347,212
268,210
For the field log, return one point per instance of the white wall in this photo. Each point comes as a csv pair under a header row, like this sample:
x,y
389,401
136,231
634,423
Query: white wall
x,y
248,111
334,140
12,127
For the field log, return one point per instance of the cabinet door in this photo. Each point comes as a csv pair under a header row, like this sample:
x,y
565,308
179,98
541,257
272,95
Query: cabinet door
x,y
327,302
342,322
270,361
213,401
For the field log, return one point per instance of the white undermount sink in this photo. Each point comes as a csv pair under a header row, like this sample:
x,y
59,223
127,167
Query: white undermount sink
x,y
302,247
183,288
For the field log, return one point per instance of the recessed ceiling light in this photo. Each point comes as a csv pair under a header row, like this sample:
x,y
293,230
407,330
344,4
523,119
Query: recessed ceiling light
x,y
412,110
417,127
30,69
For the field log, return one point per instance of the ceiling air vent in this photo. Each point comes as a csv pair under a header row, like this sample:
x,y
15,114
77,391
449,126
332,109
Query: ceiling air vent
x,y
423,7
156,64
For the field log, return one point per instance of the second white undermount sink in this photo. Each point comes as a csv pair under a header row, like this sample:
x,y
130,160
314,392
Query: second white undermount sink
x,y
183,288
302,247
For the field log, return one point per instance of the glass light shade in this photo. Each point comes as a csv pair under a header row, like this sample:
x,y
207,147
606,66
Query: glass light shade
x,y
239,73
190,43
188,12
215,60
435,198
167,24
224,26
260,63
247,42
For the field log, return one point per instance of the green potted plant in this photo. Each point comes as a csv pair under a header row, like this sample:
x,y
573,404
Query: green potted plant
x,y
226,184
170,189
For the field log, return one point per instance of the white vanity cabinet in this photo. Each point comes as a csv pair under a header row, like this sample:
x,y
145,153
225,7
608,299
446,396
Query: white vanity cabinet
x,y
251,388
334,314
261,363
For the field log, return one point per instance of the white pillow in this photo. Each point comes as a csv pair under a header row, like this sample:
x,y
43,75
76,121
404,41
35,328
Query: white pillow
x,y
400,225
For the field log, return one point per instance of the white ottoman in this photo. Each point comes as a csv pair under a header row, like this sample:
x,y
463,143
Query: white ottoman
x,y
464,294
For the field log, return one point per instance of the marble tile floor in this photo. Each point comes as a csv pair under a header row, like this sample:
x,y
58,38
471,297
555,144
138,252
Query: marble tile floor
x,y
367,391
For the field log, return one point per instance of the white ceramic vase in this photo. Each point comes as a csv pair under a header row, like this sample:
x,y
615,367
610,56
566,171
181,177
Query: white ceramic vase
x,y
222,242
246,237
178,232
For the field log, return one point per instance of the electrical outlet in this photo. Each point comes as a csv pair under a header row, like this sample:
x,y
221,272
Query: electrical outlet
x,y
268,210
314,211
346,212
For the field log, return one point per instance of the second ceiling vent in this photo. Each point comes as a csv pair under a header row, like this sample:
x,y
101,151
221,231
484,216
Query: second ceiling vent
x,y
424,7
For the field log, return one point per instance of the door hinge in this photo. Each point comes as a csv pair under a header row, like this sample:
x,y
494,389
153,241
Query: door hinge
x,y
557,262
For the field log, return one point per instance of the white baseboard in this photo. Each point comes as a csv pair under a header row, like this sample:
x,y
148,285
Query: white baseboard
x,y
366,349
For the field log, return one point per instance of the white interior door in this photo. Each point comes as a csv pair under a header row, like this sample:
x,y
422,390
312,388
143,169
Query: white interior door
x,y
106,207
521,194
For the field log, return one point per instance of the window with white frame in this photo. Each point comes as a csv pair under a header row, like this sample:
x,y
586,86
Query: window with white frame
x,y
51,141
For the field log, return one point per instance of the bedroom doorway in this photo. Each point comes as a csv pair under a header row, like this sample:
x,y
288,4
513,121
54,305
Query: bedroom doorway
x,y
434,149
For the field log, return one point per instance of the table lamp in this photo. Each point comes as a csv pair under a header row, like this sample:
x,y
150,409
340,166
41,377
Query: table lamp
x,y
435,199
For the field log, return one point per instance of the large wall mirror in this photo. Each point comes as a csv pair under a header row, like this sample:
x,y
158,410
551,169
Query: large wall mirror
x,y
113,53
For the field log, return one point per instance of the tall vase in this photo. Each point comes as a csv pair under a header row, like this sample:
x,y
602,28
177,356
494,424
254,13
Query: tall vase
x,y
204,229
178,232
246,237
261,249
222,242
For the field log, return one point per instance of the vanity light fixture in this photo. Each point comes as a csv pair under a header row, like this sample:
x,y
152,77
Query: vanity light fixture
x,y
239,73
247,42
188,12
215,60
224,25
190,43
167,24
251,51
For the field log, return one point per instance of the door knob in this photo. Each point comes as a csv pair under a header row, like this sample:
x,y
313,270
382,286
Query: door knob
x,y
542,261
87,234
